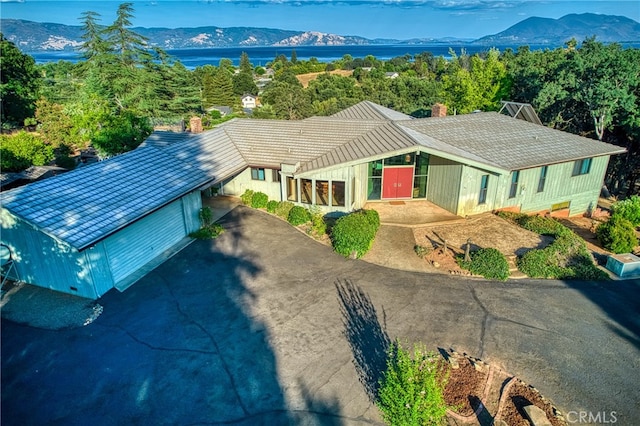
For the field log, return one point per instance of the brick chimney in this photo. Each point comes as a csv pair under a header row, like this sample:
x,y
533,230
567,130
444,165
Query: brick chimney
x,y
195,124
439,110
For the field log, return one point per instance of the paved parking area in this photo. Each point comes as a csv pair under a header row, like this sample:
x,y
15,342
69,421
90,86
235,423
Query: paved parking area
x,y
264,326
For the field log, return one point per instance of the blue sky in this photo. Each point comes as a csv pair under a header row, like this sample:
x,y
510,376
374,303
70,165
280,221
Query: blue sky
x,y
399,19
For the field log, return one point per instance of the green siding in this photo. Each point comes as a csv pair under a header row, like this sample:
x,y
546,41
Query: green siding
x,y
47,262
470,191
582,191
238,184
443,185
191,205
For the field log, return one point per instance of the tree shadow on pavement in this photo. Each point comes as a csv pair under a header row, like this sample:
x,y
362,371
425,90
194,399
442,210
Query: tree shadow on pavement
x,y
367,338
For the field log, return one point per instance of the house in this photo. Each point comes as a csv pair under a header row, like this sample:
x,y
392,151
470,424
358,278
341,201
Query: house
x,y
106,224
248,101
391,74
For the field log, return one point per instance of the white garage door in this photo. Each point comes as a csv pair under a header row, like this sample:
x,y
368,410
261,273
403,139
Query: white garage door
x,y
137,244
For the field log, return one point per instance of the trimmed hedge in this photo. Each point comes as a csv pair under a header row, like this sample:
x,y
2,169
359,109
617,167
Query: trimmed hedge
x,y
208,232
355,232
283,209
272,205
246,197
488,262
298,215
259,200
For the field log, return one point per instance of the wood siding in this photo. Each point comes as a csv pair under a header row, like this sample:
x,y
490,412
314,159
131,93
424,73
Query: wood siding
x,y
191,205
443,185
238,184
560,186
47,262
469,202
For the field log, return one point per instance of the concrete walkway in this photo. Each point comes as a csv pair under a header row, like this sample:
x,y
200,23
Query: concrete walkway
x,y
265,326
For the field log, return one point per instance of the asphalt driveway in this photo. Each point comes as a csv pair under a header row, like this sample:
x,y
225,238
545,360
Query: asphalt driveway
x,y
264,326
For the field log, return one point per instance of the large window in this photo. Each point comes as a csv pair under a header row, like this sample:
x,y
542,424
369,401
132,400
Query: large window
x,y
484,185
582,167
513,190
322,193
420,175
257,173
337,193
543,178
292,189
306,191
374,181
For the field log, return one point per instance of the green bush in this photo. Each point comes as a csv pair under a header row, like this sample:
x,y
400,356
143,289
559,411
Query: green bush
x,y
298,215
283,209
318,224
628,209
617,235
412,388
206,216
355,232
19,151
247,197
373,217
541,263
272,205
259,200
541,225
488,262
421,251
208,232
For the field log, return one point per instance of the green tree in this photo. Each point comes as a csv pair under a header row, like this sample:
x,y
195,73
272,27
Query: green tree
x,y
220,91
128,44
121,132
19,84
245,64
19,151
289,101
243,83
94,43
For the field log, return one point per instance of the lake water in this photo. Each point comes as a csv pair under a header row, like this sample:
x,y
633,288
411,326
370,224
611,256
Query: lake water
x,y
260,56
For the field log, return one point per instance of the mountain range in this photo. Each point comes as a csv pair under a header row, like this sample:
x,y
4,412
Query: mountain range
x,y
32,36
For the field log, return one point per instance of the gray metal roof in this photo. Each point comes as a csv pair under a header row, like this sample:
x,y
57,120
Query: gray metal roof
x,y
88,204
367,110
85,205
498,140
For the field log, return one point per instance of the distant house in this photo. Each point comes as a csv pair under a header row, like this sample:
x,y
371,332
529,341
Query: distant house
x,y
391,75
106,224
248,101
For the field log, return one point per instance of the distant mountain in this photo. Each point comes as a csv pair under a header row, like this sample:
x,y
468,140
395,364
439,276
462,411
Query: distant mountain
x,y
606,28
38,37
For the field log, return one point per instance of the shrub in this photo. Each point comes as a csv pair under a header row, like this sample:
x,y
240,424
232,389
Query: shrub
x,y
412,389
541,263
272,205
318,224
373,217
246,197
628,209
541,225
283,209
19,151
259,200
208,232
421,251
617,235
488,262
354,232
206,216
298,215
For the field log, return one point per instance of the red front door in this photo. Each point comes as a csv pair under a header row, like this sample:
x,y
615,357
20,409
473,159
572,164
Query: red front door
x,y
397,182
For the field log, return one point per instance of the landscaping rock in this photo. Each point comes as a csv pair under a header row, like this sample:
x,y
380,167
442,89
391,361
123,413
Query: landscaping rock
x,y
537,416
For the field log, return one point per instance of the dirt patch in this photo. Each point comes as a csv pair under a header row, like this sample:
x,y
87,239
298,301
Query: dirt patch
x,y
482,394
519,396
304,79
486,230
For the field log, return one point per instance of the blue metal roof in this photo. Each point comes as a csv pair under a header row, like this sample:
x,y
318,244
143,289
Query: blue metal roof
x,y
92,202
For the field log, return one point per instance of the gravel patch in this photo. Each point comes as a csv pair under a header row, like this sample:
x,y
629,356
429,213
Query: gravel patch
x,y
47,309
